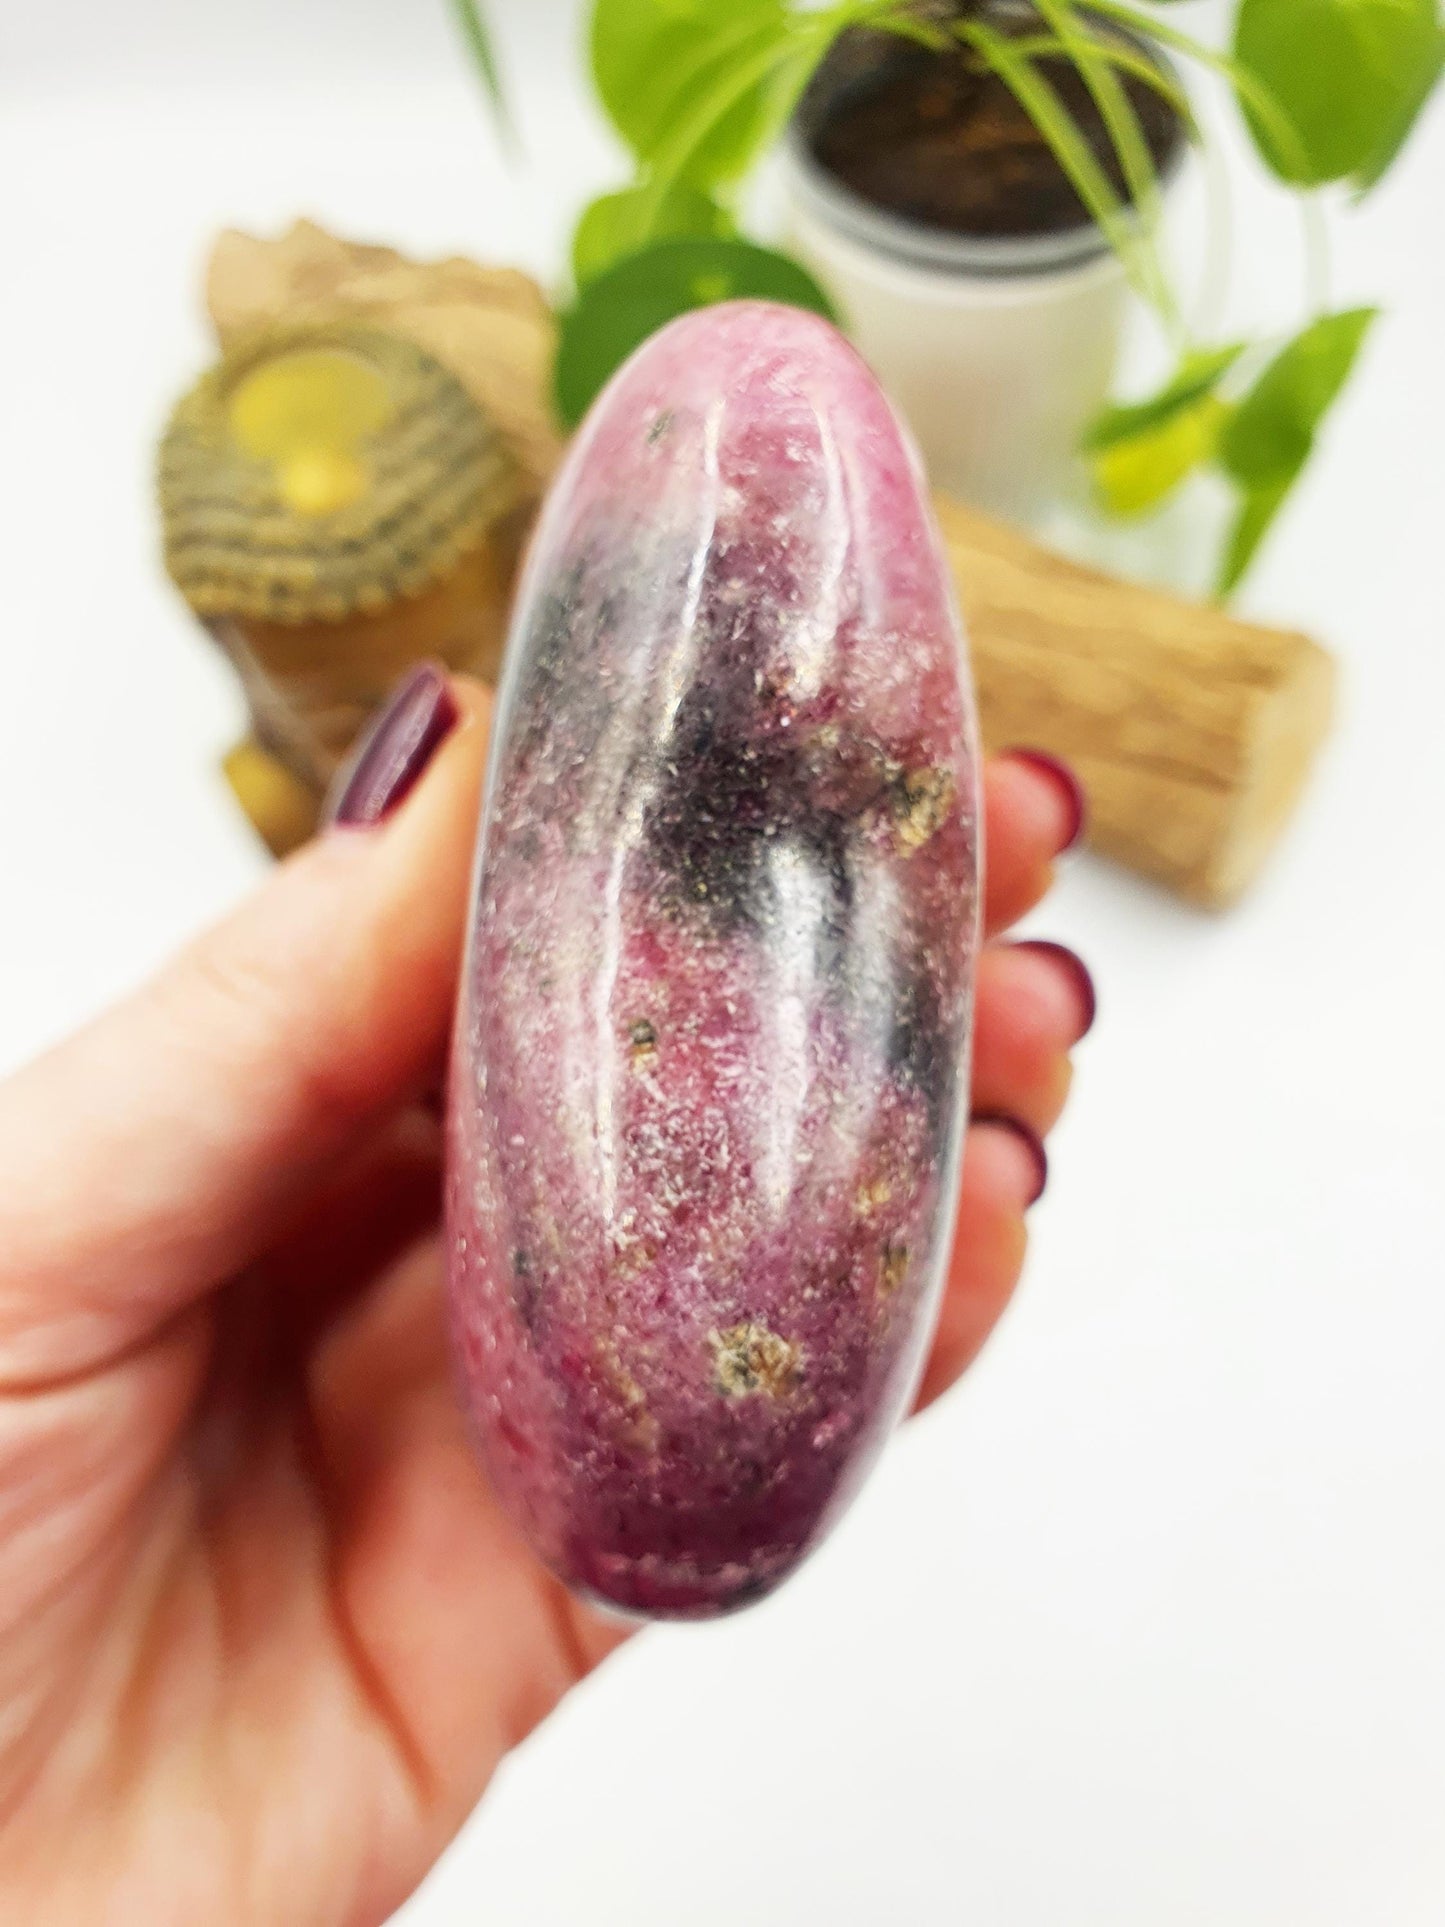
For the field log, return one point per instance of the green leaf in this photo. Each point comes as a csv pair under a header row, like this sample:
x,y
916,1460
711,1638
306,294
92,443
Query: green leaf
x,y
616,313
1270,435
478,37
655,60
1257,510
1350,76
618,224
1271,432
1253,96
1134,476
781,68
1198,375
1409,107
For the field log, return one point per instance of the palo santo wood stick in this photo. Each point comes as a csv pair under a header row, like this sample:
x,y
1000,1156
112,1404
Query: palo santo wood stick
x,y
1192,732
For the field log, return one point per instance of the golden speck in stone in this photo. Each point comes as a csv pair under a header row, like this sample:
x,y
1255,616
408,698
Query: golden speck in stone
x,y
873,1194
750,1358
892,1267
921,803
641,1042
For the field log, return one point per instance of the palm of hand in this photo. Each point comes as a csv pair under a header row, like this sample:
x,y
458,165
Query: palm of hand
x,y
282,1633
264,1633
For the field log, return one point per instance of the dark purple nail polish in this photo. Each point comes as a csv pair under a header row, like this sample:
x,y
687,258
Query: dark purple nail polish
x,y
1065,779
1029,1138
1078,973
396,747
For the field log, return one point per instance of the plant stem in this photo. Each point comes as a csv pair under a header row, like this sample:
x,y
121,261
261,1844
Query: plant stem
x,y
1213,298
1136,162
886,16
1252,93
1041,102
479,44
1317,255
1250,90
1130,61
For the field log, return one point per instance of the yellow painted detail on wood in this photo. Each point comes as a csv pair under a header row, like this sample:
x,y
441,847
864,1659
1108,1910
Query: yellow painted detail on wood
x,y
307,399
310,413
327,471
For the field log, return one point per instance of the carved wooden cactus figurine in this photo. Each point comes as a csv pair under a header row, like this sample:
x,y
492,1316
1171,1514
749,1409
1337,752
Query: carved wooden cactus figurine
x,y
335,505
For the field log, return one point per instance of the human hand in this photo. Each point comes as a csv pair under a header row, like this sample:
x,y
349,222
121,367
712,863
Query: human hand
x,y
264,1632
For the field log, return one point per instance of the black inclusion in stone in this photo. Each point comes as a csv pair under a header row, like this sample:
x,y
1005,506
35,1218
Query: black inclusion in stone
x,y
830,842
919,1048
549,643
547,672
526,1288
717,802
726,803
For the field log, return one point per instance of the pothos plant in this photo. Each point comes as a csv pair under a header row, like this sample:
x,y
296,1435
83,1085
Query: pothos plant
x,y
699,90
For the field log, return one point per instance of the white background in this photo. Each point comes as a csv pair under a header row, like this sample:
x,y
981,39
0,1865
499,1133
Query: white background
x,y
1146,1626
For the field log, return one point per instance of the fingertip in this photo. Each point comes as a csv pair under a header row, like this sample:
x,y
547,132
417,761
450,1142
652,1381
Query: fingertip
x,y
426,711
1010,1159
1072,983
1002,1175
1018,858
1059,804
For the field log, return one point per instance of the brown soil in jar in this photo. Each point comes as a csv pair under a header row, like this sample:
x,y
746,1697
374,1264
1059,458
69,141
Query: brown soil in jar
x,y
929,137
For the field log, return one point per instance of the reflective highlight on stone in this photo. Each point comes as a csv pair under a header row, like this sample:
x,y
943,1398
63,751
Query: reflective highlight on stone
x,y
711,1060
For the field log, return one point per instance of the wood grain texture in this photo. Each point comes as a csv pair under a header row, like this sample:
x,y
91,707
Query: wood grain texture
x,y
1193,733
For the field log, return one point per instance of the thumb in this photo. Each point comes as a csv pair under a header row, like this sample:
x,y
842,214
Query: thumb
x,y
157,1151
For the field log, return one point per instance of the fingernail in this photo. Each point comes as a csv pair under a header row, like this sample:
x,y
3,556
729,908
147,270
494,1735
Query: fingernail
x,y
1079,975
1031,1143
395,748
1068,785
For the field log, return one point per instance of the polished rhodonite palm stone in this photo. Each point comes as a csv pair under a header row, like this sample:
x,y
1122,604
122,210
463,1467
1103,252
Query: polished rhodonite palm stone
x,y
711,1059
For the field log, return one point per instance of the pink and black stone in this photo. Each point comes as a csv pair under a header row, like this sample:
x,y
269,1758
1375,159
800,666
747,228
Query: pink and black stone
x,y
711,1060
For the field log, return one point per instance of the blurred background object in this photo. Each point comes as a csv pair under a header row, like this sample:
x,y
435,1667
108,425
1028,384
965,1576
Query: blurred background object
x,y
1192,732
336,508
974,184
1143,1624
338,502
977,184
